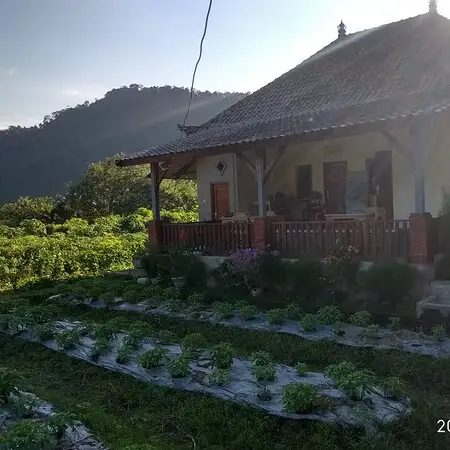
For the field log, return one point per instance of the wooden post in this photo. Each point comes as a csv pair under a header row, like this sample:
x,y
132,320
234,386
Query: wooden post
x,y
419,167
155,190
260,174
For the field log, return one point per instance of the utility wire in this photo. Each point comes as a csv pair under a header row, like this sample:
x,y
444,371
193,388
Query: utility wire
x,y
191,92
198,62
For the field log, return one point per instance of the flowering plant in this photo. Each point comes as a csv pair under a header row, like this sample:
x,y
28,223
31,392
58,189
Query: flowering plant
x,y
244,267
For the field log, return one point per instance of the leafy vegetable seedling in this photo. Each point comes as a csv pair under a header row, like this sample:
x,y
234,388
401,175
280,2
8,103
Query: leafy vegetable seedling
x,y
218,377
222,355
361,319
276,316
192,344
179,367
309,322
329,315
300,398
153,358
248,312
301,369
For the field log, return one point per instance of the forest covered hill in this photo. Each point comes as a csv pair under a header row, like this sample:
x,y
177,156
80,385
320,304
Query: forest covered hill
x,y
41,160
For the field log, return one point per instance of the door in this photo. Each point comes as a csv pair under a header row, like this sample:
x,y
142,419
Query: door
x,y
220,200
304,181
382,174
334,184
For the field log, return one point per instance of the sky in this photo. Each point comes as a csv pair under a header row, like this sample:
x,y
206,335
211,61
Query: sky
x,y
59,53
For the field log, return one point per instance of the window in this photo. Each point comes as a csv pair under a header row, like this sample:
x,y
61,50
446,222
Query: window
x,y
304,181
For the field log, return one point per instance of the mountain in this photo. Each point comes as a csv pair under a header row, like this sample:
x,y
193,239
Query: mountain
x,y
41,160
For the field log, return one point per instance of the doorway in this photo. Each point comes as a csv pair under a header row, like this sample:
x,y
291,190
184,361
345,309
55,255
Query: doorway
x,y
220,200
381,185
334,184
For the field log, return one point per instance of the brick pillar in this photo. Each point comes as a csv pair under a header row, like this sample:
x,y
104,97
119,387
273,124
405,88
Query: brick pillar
x,y
154,234
421,237
262,232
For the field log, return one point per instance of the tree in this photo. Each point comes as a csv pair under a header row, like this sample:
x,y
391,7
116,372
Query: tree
x,y
25,208
106,189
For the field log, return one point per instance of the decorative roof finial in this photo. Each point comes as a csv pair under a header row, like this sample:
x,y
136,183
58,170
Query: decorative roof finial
x,y
342,30
433,6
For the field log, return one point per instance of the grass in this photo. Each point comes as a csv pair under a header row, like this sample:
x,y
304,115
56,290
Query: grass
x,y
129,415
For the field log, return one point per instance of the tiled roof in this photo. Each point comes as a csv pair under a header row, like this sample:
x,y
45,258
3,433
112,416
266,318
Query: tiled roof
x,y
393,71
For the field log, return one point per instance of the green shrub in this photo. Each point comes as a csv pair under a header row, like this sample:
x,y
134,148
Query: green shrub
x,y
45,331
153,358
248,312
265,373
439,333
66,340
388,286
300,398
179,367
101,346
361,319
276,316
225,310
192,344
354,382
329,315
293,312
301,369
149,262
133,223
306,278
8,380
309,322
338,328
123,354
218,377
222,355
272,271
261,358
33,226
30,434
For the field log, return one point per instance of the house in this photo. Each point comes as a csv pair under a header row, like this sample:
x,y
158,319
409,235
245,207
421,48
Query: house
x,y
351,146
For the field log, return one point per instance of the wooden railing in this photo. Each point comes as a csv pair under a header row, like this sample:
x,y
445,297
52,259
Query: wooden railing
x,y
212,238
373,239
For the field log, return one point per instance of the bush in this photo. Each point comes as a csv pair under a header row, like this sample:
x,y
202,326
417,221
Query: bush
x,y
388,286
272,271
218,377
134,223
293,312
179,367
153,358
248,312
354,382
34,227
309,322
265,373
300,398
192,344
306,278
261,358
328,315
222,355
301,369
276,316
23,208
361,319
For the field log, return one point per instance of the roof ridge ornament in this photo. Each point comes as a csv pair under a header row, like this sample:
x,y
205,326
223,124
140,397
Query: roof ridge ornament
x,y
342,30
433,4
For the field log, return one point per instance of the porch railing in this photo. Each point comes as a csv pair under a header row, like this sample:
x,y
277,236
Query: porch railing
x,y
213,238
373,239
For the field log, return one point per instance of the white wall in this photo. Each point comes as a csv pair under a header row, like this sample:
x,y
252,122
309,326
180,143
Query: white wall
x,y
355,150
207,174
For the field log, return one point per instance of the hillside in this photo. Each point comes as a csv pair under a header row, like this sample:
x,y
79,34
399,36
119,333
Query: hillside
x,y
40,160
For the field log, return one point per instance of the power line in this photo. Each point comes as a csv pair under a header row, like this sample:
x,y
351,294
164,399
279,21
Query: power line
x,y
192,82
198,62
